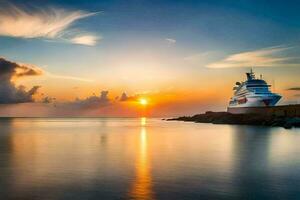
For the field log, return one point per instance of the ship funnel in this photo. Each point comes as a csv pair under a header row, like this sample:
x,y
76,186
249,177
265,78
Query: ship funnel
x,y
250,75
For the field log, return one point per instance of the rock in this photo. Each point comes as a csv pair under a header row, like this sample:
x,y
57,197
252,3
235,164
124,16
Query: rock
x,y
244,119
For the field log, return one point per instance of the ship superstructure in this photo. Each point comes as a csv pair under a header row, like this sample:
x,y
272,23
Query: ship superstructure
x,y
254,92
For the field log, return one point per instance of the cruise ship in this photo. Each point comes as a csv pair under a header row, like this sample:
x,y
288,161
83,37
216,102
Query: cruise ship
x,y
254,92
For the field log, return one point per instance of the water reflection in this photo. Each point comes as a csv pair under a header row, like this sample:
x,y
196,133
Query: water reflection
x,y
6,169
142,185
42,160
252,149
251,146
145,159
60,159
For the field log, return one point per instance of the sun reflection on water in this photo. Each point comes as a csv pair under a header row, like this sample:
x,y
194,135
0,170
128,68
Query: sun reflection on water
x,y
143,121
142,185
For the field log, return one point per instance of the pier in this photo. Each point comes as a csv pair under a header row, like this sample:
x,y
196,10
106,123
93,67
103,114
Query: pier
x,y
278,111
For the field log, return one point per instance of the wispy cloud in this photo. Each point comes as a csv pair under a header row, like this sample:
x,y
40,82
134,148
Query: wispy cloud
x,y
50,75
89,40
50,23
267,57
170,40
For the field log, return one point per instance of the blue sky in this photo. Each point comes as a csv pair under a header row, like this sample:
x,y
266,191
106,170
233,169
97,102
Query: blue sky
x,y
242,23
141,46
225,26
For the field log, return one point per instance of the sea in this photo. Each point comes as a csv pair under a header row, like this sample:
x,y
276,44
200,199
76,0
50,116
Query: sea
x,y
145,159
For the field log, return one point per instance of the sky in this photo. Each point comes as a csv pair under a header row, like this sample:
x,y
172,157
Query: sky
x,y
104,58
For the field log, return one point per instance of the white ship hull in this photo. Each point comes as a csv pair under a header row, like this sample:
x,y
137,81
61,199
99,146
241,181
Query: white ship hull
x,y
256,101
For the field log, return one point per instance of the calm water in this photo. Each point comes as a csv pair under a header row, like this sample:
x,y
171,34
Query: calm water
x,y
146,159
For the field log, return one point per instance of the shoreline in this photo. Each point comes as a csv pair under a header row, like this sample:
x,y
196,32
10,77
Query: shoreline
x,y
241,119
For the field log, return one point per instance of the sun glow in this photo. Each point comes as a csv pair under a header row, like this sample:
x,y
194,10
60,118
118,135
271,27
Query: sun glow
x,y
143,101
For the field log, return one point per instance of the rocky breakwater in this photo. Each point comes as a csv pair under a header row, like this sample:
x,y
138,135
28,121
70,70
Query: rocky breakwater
x,y
242,119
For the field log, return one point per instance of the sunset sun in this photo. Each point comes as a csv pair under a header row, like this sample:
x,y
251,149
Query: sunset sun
x,y
143,101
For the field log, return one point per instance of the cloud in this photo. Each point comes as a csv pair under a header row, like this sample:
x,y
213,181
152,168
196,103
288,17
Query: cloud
x,y
267,57
124,97
294,89
48,99
92,102
89,40
9,92
170,40
50,23
50,75
11,71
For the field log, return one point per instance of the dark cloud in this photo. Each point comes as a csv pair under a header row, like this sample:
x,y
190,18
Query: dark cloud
x,y
125,97
294,89
48,100
9,92
90,102
10,69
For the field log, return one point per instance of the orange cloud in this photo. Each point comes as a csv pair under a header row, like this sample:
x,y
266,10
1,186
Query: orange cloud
x,y
267,57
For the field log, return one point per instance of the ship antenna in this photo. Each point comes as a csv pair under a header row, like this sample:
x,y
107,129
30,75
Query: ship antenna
x,y
252,73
